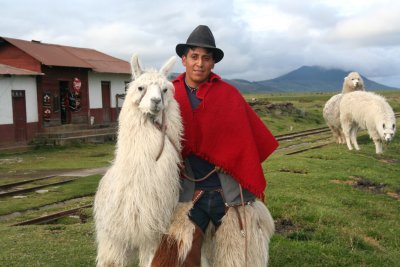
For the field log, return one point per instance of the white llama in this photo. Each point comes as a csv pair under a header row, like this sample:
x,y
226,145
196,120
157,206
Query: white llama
x,y
367,110
352,82
136,198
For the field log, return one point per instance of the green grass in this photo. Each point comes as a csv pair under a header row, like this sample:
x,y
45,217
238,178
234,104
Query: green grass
x,y
56,158
335,224
47,245
82,187
322,219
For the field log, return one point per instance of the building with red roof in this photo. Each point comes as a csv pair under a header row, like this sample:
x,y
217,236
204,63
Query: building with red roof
x,y
47,85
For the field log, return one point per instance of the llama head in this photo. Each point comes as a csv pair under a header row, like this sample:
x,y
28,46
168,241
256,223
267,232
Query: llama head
x,y
354,81
387,130
150,90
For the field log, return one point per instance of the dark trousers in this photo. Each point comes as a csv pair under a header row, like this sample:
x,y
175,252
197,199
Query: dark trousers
x,y
209,207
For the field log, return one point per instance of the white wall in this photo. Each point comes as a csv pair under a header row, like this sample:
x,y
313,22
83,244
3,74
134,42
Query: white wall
x,y
26,83
117,84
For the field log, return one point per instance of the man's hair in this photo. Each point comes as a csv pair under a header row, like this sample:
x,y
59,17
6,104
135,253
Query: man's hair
x,y
191,47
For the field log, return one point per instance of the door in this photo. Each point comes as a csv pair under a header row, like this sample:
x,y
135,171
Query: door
x,y
19,115
106,101
64,102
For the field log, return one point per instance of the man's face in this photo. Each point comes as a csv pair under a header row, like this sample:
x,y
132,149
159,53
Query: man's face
x,y
198,63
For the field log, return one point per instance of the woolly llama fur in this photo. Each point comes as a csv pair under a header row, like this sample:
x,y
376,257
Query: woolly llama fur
x,y
367,110
352,82
137,196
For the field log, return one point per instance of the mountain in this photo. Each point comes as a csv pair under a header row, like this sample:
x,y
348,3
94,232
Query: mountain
x,y
305,79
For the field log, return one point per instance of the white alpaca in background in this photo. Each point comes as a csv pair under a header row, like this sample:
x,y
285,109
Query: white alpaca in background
x,y
137,196
352,82
366,110
331,115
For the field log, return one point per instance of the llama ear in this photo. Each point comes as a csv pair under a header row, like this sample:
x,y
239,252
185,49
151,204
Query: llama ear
x,y
168,66
135,67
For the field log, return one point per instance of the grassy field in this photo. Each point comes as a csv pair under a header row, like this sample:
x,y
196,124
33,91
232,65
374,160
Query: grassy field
x,y
332,206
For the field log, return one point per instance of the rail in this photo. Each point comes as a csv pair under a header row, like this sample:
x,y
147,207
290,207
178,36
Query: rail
x,y
30,189
53,216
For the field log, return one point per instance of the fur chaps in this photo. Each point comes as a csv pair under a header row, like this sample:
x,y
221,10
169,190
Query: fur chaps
x,y
226,246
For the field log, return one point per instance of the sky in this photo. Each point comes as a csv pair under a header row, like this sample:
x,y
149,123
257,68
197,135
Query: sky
x,y
261,39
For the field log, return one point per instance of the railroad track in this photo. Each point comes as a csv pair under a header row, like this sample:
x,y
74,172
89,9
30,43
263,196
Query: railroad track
x,y
319,140
53,216
13,190
308,148
308,132
11,185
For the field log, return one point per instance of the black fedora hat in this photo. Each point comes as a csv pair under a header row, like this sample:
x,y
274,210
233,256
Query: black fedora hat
x,y
201,37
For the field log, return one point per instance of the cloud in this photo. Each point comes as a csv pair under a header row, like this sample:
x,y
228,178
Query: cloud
x,y
261,39
380,27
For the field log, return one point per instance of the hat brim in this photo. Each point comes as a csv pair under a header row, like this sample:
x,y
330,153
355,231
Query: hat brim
x,y
218,53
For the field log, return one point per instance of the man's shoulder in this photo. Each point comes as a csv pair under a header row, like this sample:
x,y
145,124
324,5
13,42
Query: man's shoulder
x,y
228,87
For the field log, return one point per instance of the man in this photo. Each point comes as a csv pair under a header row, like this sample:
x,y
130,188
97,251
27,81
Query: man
x,y
224,141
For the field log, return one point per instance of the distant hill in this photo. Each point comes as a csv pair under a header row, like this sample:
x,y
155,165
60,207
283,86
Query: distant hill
x,y
305,79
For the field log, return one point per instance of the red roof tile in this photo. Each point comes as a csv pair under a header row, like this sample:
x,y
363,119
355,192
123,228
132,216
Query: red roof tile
x,y
67,56
9,70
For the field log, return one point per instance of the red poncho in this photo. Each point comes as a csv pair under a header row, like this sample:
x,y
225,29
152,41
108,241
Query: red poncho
x,y
225,131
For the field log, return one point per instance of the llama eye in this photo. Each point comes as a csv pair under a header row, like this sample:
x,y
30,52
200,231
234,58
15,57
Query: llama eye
x,y
384,127
394,126
165,90
140,88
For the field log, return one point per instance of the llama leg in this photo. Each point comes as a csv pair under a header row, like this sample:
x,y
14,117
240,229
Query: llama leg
x,y
378,146
342,138
336,136
346,132
113,254
339,137
146,253
333,133
231,245
353,137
